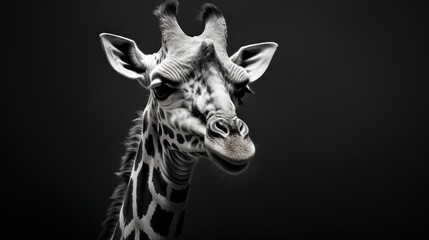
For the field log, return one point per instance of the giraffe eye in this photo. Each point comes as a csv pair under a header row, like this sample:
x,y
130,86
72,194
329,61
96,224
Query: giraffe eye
x,y
240,92
239,95
163,91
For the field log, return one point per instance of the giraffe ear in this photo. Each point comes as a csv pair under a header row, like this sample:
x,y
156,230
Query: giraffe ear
x,y
255,58
125,57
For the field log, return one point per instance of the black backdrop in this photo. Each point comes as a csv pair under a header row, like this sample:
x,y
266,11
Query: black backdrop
x,y
339,120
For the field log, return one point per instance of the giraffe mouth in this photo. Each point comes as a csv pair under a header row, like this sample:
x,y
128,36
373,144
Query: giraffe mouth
x,y
232,154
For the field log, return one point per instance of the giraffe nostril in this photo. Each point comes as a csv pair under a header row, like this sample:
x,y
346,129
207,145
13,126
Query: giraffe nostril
x,y
219,127
224,128
242,127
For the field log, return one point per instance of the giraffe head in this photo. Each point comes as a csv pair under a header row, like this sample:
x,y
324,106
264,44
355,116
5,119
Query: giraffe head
x,y
195,86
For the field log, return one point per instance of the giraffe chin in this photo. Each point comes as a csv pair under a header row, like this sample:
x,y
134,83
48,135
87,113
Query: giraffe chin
x,y
232,155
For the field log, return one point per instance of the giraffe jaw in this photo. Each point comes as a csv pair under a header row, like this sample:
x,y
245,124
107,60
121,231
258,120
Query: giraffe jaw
x,y
226,165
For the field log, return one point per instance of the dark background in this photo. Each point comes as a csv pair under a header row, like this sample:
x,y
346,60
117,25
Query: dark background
x,y
339,119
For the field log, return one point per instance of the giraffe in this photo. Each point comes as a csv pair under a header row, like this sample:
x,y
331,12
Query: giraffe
x,y
194,88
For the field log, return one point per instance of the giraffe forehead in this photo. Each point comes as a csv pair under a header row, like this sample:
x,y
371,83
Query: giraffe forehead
x,y
191,55
191,47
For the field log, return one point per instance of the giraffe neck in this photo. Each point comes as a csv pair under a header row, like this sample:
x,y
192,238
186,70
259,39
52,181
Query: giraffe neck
x,y
154,205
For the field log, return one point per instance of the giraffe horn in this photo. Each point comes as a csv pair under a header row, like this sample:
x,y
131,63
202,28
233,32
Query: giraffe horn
x,y
170,28
215,25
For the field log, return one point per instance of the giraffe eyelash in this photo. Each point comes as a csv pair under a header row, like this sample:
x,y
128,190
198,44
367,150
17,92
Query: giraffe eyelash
x,y
173,70
163,91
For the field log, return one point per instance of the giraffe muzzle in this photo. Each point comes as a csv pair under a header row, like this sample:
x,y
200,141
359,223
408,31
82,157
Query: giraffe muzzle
x,y
228,143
